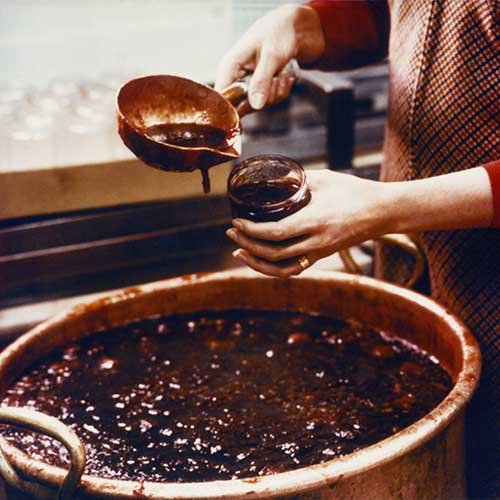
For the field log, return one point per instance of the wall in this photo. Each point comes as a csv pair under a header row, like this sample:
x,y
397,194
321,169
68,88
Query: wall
x,y
45,39
62,60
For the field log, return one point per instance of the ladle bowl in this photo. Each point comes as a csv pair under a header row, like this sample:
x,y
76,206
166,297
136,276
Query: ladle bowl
x,y
166,99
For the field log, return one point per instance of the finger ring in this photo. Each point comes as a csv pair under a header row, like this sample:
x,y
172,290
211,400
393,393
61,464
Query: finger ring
x,y
304,262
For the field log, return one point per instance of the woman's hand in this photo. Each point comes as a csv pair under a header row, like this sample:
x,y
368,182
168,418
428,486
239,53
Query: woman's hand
x,y
271,42
344,210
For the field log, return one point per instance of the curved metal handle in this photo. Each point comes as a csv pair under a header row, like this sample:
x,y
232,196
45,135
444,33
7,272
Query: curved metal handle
x,y
236,93
39,422
403,241
400,240
350,264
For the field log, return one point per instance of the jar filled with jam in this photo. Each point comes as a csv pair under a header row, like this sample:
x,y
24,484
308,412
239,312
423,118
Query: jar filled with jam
x,y
267,188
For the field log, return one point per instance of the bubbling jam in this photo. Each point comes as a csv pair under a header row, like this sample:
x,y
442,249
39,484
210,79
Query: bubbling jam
x,y
223,395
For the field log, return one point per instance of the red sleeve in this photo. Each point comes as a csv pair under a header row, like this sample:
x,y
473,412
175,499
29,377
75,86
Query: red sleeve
x,y
356,32
493,170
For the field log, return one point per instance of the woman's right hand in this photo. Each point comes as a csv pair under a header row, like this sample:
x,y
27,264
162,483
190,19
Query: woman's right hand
x,y
270,43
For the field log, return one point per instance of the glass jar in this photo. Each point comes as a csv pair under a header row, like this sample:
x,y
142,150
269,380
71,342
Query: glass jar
x,y
267,188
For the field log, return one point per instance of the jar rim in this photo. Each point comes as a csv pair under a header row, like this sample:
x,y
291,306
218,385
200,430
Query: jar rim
x,y
296,196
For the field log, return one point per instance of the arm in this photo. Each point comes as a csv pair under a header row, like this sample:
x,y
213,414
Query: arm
x,y
328,34
345,210
493,171
459,200
270,43
355,33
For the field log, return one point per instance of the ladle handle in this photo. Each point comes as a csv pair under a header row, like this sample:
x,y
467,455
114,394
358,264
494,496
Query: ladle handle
x,y
39,422
236,93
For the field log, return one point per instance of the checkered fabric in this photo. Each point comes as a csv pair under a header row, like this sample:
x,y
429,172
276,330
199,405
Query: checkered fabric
x,y
444,116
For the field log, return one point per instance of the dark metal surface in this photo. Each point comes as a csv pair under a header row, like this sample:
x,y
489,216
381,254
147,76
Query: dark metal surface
x,y
81,253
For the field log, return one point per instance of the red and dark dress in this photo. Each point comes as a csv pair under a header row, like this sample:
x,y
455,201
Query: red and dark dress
x,y
443,116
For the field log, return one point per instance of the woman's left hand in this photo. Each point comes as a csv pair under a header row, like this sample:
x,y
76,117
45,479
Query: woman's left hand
x,y
344,210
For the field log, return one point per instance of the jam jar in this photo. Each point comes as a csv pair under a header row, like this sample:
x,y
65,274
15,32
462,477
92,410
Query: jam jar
x,y
267,188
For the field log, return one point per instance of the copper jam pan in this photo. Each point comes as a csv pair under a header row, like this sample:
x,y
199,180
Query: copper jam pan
x,y
423,461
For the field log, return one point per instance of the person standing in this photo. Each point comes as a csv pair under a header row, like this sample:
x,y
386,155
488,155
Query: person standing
x,y
440,173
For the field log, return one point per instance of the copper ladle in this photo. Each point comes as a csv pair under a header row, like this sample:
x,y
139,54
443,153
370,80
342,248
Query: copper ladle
x,y
166,99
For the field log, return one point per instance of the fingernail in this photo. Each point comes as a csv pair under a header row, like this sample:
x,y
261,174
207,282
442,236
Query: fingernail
x,y
238,254
231,233
238,224
257,100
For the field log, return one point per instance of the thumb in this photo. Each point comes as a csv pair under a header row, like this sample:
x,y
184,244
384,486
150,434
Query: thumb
x,y
261,82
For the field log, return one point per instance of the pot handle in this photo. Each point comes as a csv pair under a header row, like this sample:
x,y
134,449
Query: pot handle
x,y
350,265
406,243
44,424
400,240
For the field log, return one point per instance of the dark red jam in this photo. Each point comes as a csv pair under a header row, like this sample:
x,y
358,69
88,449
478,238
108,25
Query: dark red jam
x,y
192,135
266,201
223,395
267,188
188,135
266,193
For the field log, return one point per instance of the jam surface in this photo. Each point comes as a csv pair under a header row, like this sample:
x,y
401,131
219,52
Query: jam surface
x,y
267,200
223,395
192,135
188,135
265,192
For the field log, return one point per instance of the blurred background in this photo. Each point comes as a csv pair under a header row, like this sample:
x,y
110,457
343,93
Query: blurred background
x,y
62,61
79,215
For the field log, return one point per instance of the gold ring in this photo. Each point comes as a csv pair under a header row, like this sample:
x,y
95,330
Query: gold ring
x,y
304,262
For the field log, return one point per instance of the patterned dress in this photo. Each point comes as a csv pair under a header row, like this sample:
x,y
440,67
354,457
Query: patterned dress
x,y
444,116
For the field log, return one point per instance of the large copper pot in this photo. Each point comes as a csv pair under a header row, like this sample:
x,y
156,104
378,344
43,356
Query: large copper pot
x,y
423,461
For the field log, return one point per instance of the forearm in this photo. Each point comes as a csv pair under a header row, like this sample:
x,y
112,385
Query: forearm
x,y
452,201
310,39
355,32
345,210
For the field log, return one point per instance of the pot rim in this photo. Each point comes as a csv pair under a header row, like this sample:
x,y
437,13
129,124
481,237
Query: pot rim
x,y
293,481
